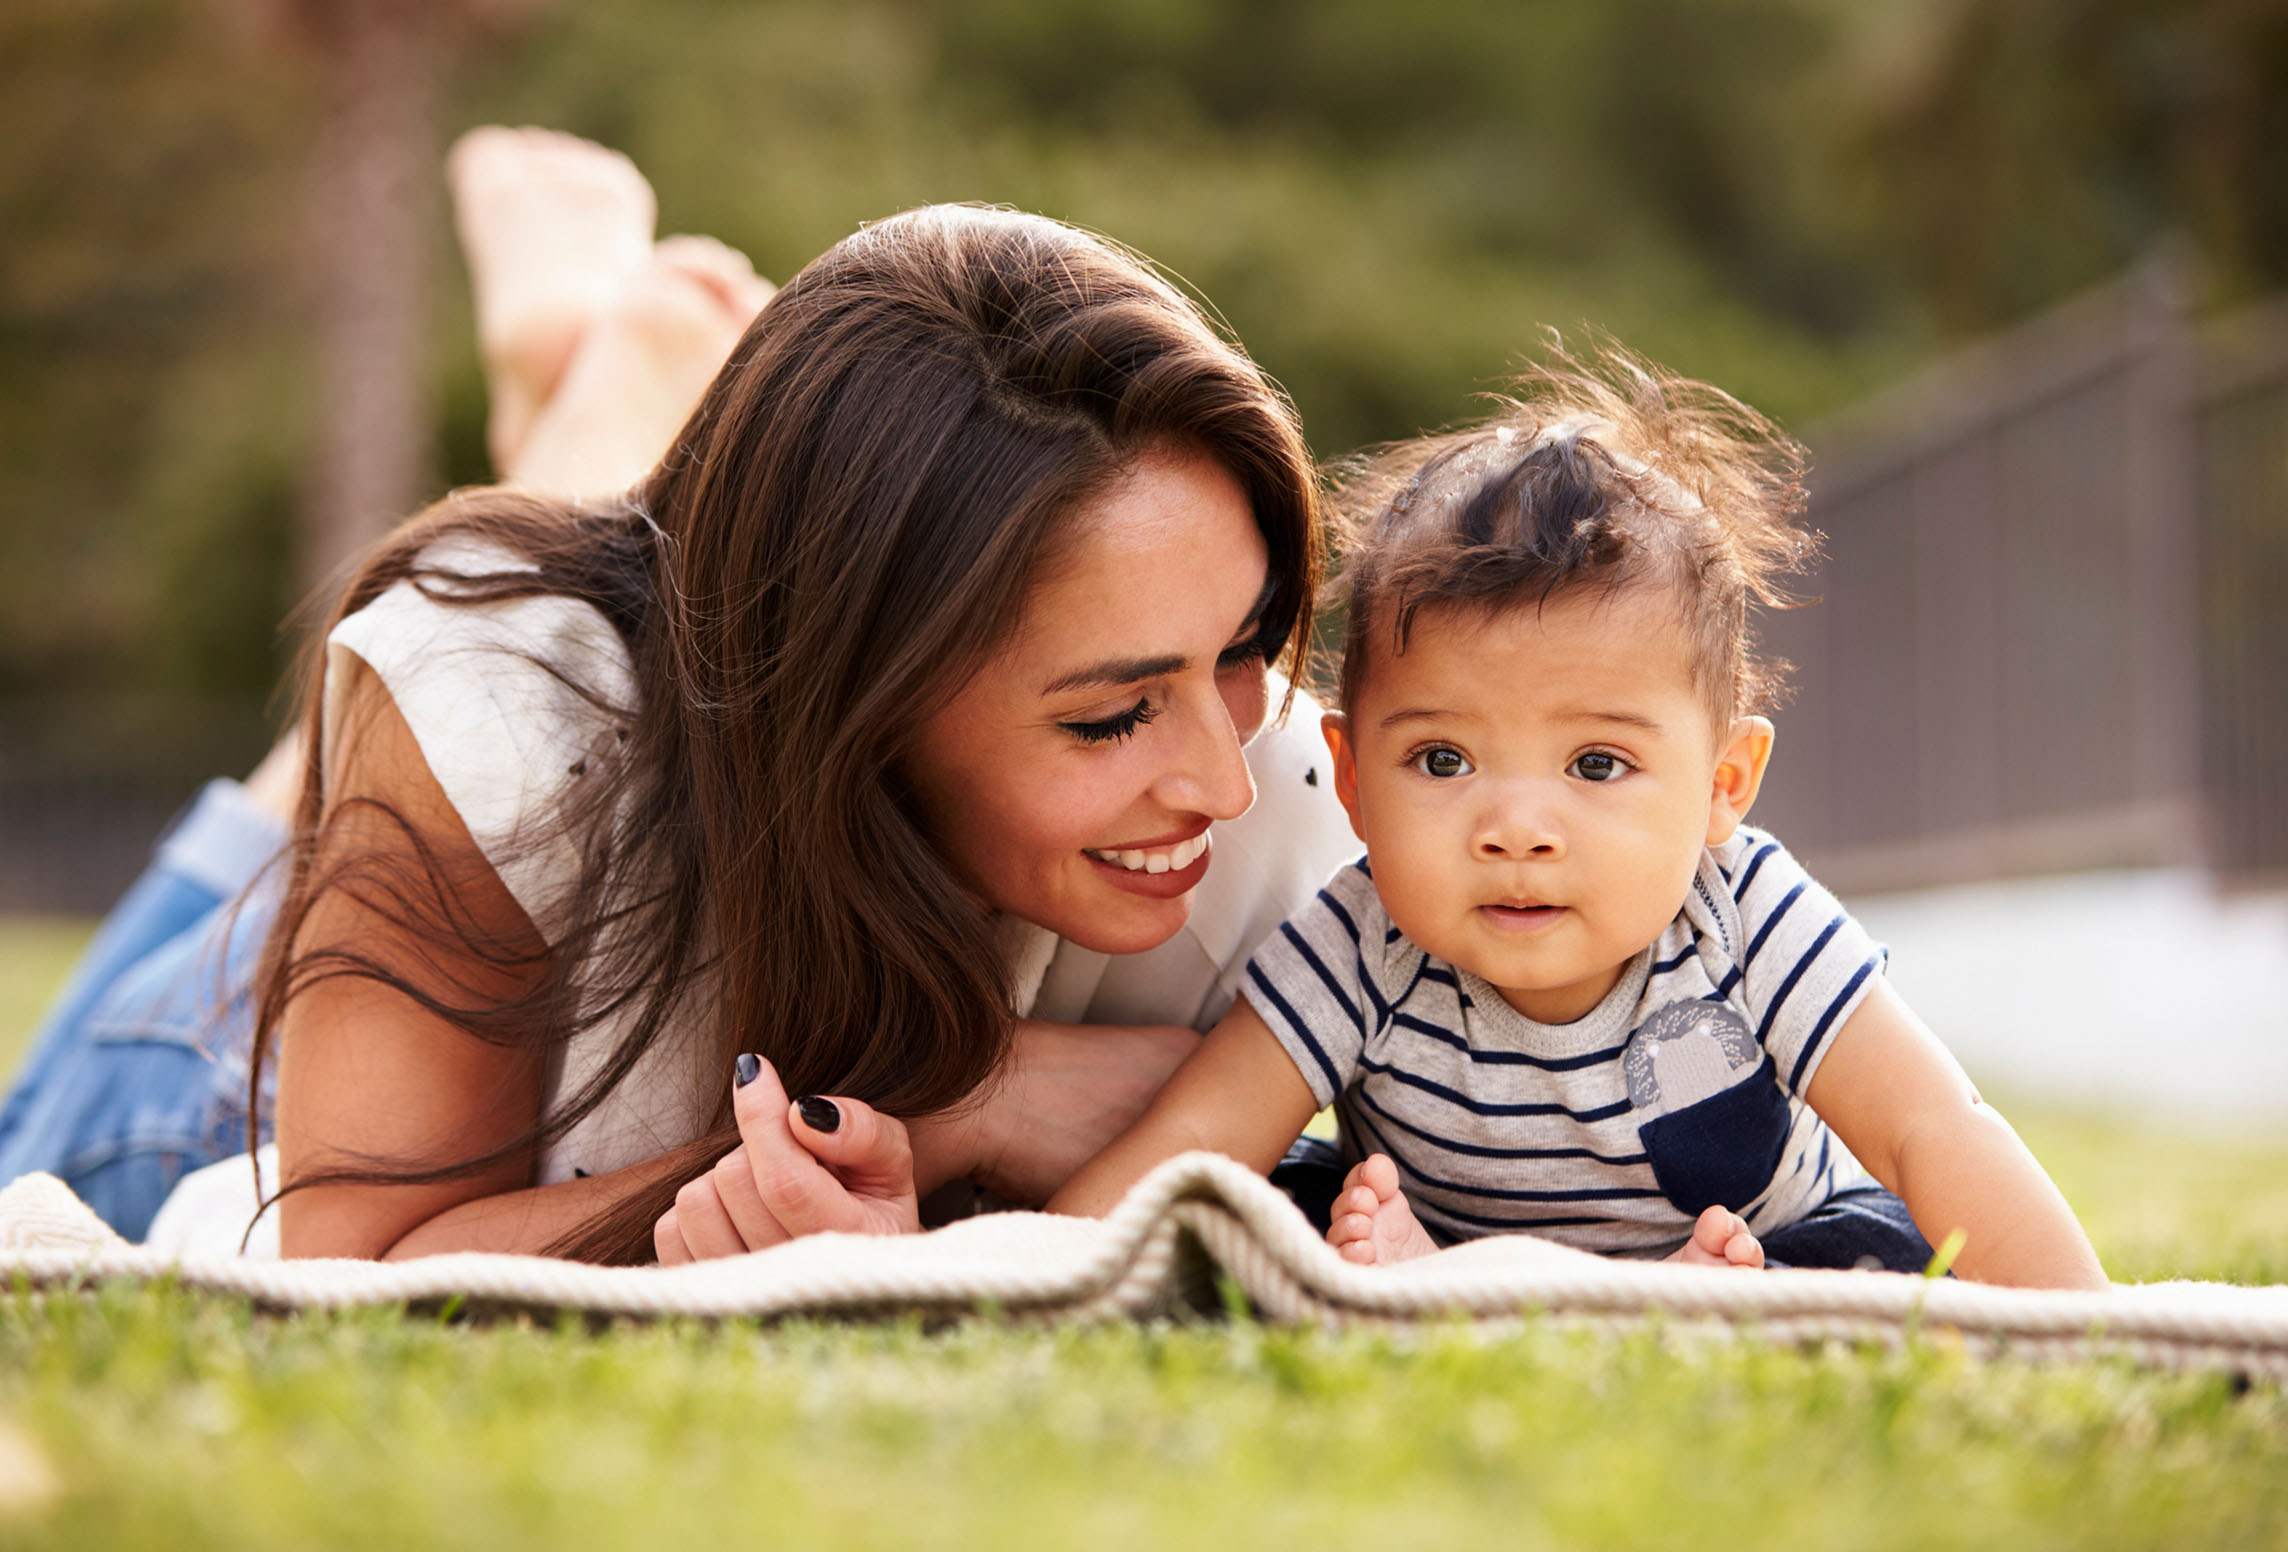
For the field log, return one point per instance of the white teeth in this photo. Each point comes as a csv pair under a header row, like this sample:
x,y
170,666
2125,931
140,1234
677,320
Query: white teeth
x,y
1175,858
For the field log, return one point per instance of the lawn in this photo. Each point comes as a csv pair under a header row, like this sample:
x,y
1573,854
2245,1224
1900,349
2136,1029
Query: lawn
x,y
150,1418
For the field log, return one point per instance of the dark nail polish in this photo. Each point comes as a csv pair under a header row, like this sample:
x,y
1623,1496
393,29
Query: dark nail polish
x,y
820,1115
747,1070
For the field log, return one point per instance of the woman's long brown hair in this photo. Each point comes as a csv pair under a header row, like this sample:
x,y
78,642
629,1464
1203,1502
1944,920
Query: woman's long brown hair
x,y
844,530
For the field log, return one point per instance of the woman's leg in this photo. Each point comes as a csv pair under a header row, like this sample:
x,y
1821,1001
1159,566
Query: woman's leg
x,y
553,228
596,342
137,1074
593,360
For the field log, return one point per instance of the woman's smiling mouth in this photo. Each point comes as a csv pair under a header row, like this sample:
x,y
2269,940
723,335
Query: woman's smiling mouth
x,y
1155,859
1161,870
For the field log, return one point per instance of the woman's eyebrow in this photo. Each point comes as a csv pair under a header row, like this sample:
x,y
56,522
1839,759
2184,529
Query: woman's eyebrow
x,y
1116,671
1132,670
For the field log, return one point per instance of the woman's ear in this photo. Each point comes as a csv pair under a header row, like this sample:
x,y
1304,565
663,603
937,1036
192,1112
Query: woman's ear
x,y
1337,729
1739,776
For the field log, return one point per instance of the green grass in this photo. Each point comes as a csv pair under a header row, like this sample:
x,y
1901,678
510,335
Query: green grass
x,y
178,1422
154,1418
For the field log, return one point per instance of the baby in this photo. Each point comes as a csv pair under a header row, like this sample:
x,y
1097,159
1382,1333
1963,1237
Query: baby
x,y
1567,991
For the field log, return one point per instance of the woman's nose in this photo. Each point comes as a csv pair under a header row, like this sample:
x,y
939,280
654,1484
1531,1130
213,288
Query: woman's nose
x,y
1209,773
1517,825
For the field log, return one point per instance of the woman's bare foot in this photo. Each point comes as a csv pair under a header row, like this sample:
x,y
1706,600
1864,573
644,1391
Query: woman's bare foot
x,y
1372,1225
640,368
1721,1238
554,228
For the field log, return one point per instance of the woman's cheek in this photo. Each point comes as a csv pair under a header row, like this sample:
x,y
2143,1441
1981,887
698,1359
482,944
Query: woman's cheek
x,y
1247,697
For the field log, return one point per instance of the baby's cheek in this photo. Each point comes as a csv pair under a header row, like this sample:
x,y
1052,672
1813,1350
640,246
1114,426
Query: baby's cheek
x,y
1660,885
1421,902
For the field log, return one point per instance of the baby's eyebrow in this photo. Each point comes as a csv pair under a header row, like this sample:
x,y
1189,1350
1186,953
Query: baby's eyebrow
x,y
1425,714
1624,718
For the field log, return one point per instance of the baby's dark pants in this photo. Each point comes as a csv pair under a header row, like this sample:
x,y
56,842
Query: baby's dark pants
x,y
1860,1226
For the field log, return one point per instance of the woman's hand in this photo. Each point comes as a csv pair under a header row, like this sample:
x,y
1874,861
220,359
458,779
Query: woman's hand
x,y
818,1166
1068,1090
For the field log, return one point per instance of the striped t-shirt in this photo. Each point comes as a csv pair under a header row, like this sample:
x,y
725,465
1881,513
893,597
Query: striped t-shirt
x,y
1681,1090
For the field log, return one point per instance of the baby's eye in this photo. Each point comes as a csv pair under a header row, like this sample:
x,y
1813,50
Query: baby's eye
x,y
1598,765
1442,763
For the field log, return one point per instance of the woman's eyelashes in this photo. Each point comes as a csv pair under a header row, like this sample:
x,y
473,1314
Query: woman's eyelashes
x,y
1255,650
1112,729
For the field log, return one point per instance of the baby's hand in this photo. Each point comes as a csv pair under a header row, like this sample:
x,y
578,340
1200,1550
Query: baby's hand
x,y
1721,1238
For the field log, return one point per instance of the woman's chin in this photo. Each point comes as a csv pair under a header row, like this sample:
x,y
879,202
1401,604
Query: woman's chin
x,y
1134,937
1125,922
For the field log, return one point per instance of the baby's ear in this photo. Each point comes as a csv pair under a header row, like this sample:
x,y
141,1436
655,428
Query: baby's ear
x,y
1337,730
1739,776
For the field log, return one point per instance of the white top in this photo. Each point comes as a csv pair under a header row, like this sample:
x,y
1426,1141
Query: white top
x,y
1682,1090
508,741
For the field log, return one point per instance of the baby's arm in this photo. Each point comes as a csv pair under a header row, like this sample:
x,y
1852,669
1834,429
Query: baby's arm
x,y
1238,1094
1902,1104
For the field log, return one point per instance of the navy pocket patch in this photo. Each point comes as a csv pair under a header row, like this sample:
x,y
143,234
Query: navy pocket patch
x,y
1717,1120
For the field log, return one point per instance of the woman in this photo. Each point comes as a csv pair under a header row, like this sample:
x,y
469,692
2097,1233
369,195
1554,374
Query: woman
x,y
900,697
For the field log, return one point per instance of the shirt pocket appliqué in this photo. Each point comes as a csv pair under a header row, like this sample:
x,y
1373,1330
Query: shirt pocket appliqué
x,y
1717,1120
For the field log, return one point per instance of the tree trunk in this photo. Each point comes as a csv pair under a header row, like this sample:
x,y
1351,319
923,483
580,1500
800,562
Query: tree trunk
x,y
373,207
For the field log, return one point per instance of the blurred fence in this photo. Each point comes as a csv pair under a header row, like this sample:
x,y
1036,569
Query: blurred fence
x,y
2052,625
2242,427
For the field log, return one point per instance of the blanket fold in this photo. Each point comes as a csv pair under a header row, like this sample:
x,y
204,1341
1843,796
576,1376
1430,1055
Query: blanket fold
x,y
1194,1219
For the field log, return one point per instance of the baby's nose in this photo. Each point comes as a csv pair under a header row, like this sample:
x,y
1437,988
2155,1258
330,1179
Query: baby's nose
x,y
1519,828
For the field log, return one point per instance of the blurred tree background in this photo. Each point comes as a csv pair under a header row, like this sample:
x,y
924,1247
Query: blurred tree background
x,y
1799,199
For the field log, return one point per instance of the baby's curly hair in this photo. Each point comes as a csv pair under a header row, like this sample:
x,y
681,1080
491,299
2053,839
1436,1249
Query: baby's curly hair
x,y
1597,470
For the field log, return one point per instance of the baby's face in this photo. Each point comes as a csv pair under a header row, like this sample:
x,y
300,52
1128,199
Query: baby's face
x,y
1534,788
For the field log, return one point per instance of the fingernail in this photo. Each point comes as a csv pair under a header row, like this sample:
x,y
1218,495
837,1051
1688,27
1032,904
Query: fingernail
x,y
748,1068
820,1115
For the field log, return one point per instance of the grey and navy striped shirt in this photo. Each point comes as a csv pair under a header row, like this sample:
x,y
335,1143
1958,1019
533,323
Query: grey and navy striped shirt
x,y
1681,1090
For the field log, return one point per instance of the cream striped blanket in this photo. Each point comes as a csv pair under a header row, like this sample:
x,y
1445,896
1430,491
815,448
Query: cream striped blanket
x,y
1196,1230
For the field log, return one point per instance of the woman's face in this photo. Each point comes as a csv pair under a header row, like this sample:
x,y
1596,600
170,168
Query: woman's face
x,y
1073,779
